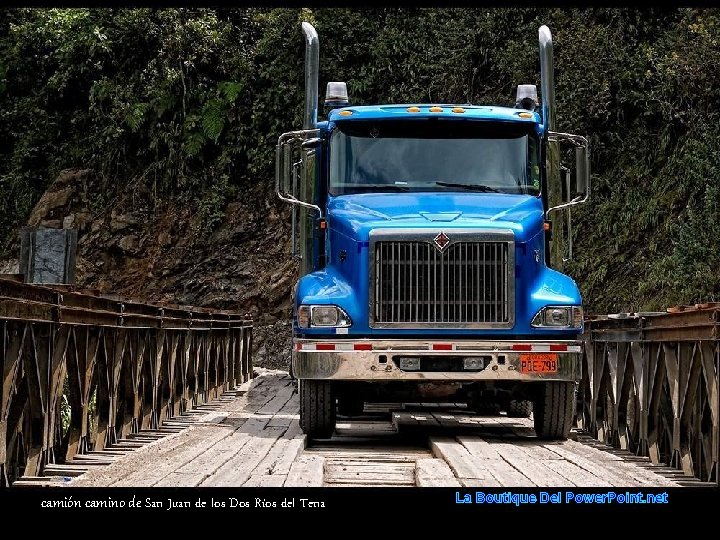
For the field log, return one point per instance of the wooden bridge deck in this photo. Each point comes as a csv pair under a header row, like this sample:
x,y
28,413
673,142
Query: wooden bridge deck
x,y
251,437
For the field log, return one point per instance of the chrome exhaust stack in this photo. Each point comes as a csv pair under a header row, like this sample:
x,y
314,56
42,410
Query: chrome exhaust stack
x,y
312,68
547,78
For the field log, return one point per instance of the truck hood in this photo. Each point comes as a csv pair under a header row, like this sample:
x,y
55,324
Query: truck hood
x,y
356,215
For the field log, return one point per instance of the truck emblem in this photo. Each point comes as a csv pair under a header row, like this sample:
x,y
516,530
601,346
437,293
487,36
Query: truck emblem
x,y
441,240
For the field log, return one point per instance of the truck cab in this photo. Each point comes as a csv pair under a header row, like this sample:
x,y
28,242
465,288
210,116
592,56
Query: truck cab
x,y
423,236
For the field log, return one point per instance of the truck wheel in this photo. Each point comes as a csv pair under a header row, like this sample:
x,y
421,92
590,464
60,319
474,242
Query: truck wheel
x,y
519,408
553,410
317,409
350,406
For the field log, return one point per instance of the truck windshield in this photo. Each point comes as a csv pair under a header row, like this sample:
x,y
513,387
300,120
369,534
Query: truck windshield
x,y
434,155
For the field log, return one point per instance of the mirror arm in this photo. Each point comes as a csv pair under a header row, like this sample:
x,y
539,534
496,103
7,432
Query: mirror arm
x,y
287,138
557,136
578,141
311,143
577,200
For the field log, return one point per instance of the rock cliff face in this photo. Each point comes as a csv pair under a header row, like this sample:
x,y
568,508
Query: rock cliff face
x,y
135,248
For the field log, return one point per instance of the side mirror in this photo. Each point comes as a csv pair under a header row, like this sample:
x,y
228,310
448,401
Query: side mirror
x,y
582,168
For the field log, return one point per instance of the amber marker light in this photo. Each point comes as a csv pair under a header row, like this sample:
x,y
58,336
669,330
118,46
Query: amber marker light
x,y
413,109
458,110
345,113
436,109
525,115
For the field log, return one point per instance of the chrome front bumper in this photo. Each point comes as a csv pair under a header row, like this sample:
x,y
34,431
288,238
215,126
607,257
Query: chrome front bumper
x,y
372,360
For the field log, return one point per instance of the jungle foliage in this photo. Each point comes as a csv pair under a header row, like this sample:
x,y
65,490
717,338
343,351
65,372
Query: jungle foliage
x,y
186,104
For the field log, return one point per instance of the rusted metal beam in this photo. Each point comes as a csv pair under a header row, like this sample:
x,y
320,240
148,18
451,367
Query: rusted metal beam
x,y
81,371
650,385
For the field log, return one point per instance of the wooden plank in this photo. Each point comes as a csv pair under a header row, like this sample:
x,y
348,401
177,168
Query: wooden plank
x,y
79,458
65,470
534,469
271,480
434,472
215,455
575,474
367,426
293,449
215,461
278,402
150,472
175,452
236,470
612,471
178,479
641,474
389,452
462,463
213,418
368,482
288,412
363,458
370,473
213,465
501,470
306,471
279,450
40,481
87,462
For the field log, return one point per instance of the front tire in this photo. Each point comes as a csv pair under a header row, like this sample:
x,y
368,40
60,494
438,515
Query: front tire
x,y
553,410
317,409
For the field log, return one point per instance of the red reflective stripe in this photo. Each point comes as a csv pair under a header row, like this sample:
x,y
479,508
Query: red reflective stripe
x,y
325,347
519,347
558,347
442,346
298,347
363,347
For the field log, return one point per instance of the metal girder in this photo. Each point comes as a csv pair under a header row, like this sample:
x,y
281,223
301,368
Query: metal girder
x,y
650,385
79,371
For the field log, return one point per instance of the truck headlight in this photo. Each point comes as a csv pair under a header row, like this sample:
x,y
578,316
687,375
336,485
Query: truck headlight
x,y
559,317
322,316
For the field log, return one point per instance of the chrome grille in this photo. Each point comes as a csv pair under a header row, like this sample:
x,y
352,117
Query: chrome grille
x,y
469,284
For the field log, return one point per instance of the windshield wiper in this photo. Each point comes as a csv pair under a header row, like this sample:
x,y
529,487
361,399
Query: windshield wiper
x,y
469,187
380,187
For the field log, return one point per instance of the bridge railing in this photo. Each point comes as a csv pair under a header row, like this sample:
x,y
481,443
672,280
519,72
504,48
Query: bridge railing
x,y
80,371
650,385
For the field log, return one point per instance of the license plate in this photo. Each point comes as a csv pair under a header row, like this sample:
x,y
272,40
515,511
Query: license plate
x,y
538,363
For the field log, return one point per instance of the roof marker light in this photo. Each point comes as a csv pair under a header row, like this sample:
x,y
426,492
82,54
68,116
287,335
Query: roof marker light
x,y
525,115
436,109
345,113
458,110
336,94
413,109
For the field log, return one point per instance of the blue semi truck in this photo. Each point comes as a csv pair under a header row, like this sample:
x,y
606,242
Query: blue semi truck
x,y
427,268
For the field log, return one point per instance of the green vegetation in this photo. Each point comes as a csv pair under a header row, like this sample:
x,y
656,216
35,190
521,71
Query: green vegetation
x,y
186,105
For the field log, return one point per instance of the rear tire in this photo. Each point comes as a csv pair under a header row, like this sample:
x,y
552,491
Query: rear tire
x,y
317,409
519,408
553,410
